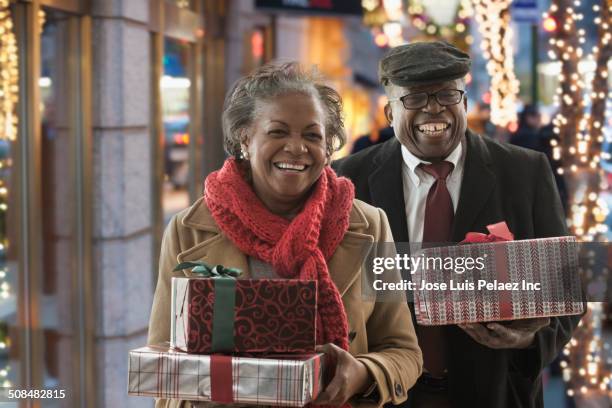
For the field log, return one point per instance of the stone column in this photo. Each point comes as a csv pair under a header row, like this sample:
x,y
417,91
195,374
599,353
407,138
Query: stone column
x,y
122,188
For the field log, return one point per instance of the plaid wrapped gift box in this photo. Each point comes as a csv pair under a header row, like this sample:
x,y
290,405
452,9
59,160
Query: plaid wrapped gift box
x,y
162,372
243,315
504,289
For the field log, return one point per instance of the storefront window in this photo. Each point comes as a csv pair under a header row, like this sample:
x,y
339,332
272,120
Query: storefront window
x,y
175,88
8,210
58,211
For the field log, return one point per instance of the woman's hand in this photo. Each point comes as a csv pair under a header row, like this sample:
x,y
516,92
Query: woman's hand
x,y
350,376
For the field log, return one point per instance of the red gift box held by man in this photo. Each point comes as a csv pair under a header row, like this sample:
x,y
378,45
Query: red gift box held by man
x,y
508,281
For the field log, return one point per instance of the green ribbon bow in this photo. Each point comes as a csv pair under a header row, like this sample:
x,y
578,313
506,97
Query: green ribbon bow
x,y
205,270
225,301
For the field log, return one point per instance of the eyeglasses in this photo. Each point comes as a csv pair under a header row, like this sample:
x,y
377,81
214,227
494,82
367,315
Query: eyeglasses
x,y
444,97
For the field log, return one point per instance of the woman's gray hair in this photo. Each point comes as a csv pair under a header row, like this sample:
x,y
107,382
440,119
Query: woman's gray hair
x,y
271,80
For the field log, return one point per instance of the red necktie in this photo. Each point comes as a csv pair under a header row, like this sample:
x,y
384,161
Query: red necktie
x,y
439,211
437,226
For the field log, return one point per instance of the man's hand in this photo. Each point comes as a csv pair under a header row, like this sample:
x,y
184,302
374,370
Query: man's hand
x,y
517,334
350,376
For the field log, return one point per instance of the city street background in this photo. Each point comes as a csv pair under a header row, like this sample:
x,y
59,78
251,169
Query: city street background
x,y
110,112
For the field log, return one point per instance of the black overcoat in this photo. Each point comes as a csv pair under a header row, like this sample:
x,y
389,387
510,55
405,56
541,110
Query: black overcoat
x,y
500,182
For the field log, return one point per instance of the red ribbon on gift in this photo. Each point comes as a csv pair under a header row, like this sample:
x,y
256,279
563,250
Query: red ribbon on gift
x,y
221,388
498,232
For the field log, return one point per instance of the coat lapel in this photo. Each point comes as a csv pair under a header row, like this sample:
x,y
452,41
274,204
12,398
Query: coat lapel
x,y
387,189
216,248
345,264
476,187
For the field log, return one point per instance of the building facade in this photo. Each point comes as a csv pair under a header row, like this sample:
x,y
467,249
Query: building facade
x,y
104,138
110,111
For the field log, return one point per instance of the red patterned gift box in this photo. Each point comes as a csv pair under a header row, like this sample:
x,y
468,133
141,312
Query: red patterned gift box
x,y
505,288
243,315
162,372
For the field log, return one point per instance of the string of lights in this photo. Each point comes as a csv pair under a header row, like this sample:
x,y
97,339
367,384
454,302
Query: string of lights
x,y
9,94
579,125
387,21
580,133
183,3
494,25
586,364
599,87
8,74
458,31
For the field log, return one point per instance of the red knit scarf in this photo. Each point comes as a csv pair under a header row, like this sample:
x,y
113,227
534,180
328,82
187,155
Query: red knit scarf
x,y
297,248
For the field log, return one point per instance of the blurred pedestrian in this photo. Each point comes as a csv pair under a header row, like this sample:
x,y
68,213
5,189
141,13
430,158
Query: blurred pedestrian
x,y
479,119
530,135
374,138
526,134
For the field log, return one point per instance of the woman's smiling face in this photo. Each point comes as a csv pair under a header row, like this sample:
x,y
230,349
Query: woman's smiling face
x,y
286,148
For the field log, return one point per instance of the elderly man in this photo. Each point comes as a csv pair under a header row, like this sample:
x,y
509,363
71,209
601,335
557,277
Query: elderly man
x,y
437,181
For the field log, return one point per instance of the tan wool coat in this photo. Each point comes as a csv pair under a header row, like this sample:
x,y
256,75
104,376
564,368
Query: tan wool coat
x,y
385,340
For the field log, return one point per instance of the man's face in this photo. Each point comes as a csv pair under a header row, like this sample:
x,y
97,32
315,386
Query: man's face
x,y
432,132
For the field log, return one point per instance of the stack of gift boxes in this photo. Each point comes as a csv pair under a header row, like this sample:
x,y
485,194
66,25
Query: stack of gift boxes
x,y
234,341
247,341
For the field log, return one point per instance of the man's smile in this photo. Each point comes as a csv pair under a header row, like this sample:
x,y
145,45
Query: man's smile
x,y
433,129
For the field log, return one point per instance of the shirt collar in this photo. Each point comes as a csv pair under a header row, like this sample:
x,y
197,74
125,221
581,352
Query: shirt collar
x,y
412,162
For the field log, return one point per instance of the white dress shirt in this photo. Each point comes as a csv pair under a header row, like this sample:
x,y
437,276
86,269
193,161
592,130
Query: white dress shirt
x,y
417,183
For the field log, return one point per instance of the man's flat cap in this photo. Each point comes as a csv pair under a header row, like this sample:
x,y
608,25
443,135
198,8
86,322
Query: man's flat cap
x,y
423,63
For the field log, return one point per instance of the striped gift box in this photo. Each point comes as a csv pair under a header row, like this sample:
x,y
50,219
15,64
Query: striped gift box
x,y
511,270
162,372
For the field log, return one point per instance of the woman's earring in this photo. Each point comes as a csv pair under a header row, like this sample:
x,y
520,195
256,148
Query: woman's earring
x,y
244,153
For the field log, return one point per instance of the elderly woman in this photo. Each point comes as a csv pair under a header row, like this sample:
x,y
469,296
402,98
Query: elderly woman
x,y
276,209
